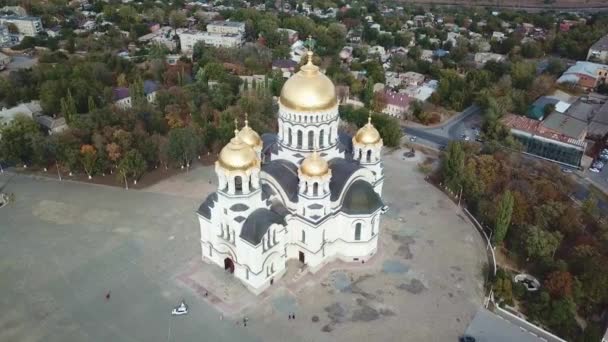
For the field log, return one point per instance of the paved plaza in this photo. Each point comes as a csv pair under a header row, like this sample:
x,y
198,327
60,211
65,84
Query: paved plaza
x,y
64,245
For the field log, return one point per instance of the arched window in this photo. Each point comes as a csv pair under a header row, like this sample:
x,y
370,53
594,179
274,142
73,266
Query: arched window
x,y
289,142
315,189
321,136
360,154
369,155
358,231
311,140
238,183
303,236
300,139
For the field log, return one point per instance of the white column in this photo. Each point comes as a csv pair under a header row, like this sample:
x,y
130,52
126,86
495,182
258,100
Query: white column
x,y
245,180
231,186
326,135
280,129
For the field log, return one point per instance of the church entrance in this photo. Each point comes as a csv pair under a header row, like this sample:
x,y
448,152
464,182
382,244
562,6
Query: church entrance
x,y
301,257
229,265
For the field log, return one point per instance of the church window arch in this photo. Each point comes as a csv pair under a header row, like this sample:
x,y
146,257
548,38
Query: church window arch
x,y
321,136
289,138
315,189
358,231
299,139
374,226
238,183
360,154
330,140
303,236
369,155
311,139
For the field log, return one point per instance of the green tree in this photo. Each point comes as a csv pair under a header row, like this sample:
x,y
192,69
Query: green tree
x,y
132,164
453,167
17,142
503,217
184,144
136,92
68,108
541,243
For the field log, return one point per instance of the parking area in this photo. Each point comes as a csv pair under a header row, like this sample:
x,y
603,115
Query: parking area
x,y
64,245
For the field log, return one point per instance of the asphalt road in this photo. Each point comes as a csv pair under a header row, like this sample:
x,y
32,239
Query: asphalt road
x,y
453,129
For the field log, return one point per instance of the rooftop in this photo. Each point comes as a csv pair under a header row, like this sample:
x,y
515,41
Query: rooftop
x,y
487,326
601,44
227,23
535,127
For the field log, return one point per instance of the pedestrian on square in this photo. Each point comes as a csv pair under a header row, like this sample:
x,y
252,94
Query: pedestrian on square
x,y
108,295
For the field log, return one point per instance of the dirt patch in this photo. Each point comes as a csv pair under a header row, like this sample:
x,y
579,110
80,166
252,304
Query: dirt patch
x,y
365,313
336,312
415,286
404,246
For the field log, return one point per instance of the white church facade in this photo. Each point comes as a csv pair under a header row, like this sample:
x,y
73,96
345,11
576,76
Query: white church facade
x,y
306,193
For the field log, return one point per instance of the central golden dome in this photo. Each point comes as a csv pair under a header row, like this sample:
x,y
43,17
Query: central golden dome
x,y
308,90
249,136
368,134
237,155
314,165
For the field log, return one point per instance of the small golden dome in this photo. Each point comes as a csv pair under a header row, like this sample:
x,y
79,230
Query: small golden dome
x,y
237,155
308,90
249,136
314,165
368,134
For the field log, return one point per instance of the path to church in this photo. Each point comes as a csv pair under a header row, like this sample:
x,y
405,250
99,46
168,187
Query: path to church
x,y
64,245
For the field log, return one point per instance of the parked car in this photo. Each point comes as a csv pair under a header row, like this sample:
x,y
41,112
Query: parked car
x,y
567,170
593,169
412,138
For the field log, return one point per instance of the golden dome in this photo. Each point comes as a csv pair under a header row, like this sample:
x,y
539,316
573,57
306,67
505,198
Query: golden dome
x,y
308,90
367,134
237,155
314,165
249,136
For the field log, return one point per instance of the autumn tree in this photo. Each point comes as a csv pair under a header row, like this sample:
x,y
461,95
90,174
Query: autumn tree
x,y
114,153
88,158
132,164
559,284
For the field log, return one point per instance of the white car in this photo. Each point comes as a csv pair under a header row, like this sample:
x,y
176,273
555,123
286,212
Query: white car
x,y
181,309
466,138
594,170
412,138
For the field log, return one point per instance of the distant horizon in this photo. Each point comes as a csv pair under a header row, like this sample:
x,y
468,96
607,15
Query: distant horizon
x,y
517,4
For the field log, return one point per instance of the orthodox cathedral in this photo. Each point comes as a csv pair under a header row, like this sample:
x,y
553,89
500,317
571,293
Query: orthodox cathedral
x,y
307,193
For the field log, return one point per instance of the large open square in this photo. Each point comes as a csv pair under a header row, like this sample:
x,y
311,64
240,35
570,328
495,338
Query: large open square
x,y
64,245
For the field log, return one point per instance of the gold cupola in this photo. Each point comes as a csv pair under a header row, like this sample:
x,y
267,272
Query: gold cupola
x,y
314,166
237,155
308,90
368,134
249,136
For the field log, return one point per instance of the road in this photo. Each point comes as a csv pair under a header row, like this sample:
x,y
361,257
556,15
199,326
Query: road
x,y
453,129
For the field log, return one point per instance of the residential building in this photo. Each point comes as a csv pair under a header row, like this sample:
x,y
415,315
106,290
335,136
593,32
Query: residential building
x,y
599,50
397,104
586,75
4,61
29,109
481,58
51,124
292,35
163,36
27,26
544,142
17,10
499,36
122,98
189,38
226,27
286,66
